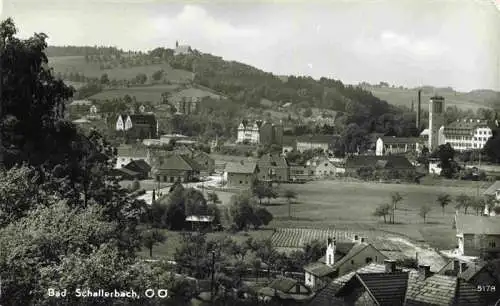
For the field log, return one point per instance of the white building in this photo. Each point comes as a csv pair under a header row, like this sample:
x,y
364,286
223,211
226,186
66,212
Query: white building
x,y
387,145
248,132
467,134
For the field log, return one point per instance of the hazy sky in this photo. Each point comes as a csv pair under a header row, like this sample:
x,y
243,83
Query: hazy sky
x,y
404,42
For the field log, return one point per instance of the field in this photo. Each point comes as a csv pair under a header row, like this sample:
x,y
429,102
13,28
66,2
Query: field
x,y
403,97
141,93
67,64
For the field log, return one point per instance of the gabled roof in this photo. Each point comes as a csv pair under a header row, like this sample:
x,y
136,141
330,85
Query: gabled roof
x,y
492,266
247,167
125,171
355,250
272,160
385,288
140,164
143,119
179,162
434,290
393,161
319,269
131,151
399,140
471,224
467,294
329,139
491,190
283,284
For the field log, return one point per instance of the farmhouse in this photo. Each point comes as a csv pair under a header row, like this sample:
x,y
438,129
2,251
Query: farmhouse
x,y
187,101
341,258
176,168
260,132
382,163
242,174
137,126
139,166
477,234
206,162
301,172
286,289
323,142
388,145
127,153
274,168
385,284
322,166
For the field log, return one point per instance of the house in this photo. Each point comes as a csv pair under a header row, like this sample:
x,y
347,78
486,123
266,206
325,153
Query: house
x,y
127,153
286,290
477,234
200,222
241,174
176,168
322,166
273,167
323,142
141,167
435,166
125,174
182,49
260,132
381,163
301,172
93,109
494,192
187,101
387,145
385,284
467,134
205,161
139,126
341,258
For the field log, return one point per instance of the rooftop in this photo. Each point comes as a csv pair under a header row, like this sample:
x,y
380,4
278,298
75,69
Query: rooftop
x,y
471,224
241,167
390,161
492,189
178,162
329,139
399,140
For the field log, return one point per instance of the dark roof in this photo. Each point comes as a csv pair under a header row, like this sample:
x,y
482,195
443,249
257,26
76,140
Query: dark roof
x,y
319,269
355,250
140,164
124,172
393,161
434,290
143,119
471,224
464,127
330,139
241,167
399,140
179,162
289,140
283,284
467,294
475,268
491,190
272,160
385,288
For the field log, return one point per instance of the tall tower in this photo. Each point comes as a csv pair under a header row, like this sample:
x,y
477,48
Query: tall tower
x,y
419,108
436,120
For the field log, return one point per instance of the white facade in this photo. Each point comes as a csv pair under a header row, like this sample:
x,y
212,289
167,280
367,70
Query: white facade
x,y
310,279
476,137
434,168
304,146
120,124
250,133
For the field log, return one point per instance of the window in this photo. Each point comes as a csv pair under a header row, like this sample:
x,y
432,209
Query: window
x,y
368,260
352,262
241,182
492,244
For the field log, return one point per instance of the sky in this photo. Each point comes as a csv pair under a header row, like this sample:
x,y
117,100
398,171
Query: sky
x,y
411,43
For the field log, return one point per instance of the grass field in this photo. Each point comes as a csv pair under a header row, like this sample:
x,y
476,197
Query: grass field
x,y
403,97
141,93
66,64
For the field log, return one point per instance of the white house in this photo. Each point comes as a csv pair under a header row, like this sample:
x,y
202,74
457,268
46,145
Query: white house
x,y
386,145
476,234
248,133
322,166
467,134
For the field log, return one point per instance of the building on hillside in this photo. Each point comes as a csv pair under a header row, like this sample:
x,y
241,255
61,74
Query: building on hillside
x,y
322,166
127,153
286,289
141,167
341,258
182,49
381,163
301,172
310,142
477,235
176,168
385,284
388,145
467,134
139,126
187,101
273,168
206,162
241,174
260,132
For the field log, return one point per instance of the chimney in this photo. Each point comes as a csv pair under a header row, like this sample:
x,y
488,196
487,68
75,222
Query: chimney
x,y
419,108
424,271
456,266
356,238
390,265
363,239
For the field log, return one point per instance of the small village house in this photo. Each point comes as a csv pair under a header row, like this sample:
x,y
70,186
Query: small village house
x,y
301,172
286,290
274,168
127,153
205,161
200,222
176,168
477,234
241,174
341,258
494,192
322,166
141,167
310,142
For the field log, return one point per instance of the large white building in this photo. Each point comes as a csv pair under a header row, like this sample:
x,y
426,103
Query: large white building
x,y
248,132
467,134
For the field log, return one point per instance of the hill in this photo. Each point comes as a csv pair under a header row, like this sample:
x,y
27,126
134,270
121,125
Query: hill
x,y
404,97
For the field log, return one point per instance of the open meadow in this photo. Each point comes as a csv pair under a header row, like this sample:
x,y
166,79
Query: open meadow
x,y
68,64
141,93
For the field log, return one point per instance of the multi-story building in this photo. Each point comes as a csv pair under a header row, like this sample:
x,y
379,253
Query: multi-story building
x,y
187,105
467,134
436,121
274,168
138,126
260,132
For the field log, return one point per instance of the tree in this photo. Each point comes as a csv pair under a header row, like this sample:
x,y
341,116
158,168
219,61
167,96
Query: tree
x,y
446,154
463,201
290,194
152,237
424,211
243,212
270,194
395,199
104,79
260,191
158,75
141,78
382,210
308,112
443,200
263,217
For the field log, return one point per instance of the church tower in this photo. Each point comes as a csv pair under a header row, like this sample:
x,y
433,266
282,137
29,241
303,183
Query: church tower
x,y
436,121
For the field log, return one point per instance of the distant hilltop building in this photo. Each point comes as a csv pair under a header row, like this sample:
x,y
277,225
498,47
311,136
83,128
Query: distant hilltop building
x,y
260,132
182,49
